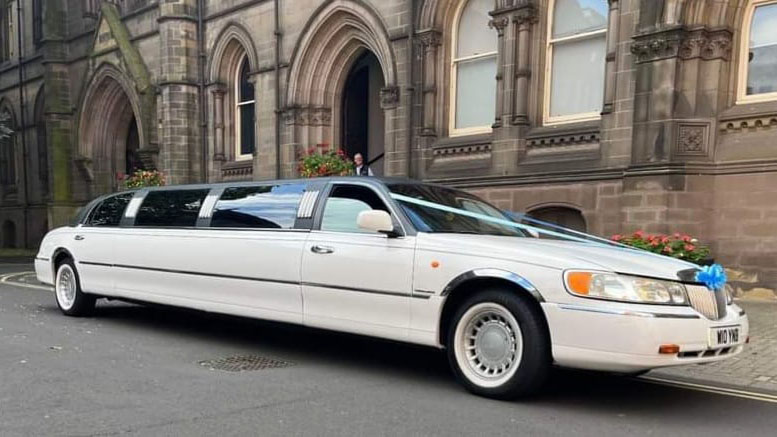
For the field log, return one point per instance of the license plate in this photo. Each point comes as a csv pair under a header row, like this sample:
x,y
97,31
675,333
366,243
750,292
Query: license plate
x,y
724,336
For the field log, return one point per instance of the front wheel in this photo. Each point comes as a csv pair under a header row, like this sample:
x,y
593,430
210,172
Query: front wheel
x,y
67,288
498,345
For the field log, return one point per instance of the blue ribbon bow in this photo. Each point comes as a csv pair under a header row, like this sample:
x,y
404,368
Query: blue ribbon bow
x,y
714,277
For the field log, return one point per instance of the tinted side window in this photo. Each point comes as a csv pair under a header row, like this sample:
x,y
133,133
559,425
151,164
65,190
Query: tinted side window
x,y
110,210
267,206
171,208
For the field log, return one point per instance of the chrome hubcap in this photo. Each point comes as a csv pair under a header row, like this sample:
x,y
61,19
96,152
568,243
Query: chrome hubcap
x,y
66,287
488,344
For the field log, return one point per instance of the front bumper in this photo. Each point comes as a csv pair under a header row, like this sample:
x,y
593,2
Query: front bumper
x,y
625,338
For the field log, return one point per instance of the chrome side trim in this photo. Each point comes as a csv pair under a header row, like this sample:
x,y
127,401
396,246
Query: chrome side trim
x,y
612,311
206,210
305,209
133,206
497,274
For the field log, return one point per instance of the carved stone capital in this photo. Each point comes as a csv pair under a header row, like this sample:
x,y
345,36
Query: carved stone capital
x,y
429,39
499,24
389,97
526,16
657,46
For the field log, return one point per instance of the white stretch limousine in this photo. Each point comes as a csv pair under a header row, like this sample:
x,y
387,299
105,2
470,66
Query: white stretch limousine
x,y
349,254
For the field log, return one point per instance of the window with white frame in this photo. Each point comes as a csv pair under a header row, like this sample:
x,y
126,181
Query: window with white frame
x,y
473,70
575,61
245,109
758,80
8,35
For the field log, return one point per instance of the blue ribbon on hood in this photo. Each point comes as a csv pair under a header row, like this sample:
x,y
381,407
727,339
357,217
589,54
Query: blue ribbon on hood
x,y
714,277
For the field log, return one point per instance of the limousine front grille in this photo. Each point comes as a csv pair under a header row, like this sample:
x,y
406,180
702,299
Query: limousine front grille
x,y
245,363
711,305
710,352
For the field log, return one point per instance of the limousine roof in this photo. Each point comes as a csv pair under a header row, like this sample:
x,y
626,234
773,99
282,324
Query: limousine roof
x,y
372,180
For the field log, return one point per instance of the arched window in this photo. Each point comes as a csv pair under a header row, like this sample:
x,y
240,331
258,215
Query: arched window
x,y
245,137
758,81
473,70
575,60
7,155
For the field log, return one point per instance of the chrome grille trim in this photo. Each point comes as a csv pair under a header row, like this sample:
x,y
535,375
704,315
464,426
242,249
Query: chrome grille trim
x,y
710,304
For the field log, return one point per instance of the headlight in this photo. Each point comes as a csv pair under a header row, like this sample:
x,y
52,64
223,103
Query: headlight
x,y
625,288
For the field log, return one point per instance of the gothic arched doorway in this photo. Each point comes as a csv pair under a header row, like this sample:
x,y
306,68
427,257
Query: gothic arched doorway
x,y
109,131
363,129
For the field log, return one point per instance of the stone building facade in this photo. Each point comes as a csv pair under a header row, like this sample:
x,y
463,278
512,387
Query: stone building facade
x,y
608,116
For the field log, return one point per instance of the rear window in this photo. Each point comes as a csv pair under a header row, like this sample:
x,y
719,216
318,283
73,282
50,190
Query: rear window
x,y
266,207
109,211
171,208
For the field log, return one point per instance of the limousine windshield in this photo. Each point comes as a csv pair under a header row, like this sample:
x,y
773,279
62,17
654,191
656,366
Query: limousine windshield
x,y
427,219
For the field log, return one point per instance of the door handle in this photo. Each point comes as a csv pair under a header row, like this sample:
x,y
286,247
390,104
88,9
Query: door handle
x,y
78,237
322,249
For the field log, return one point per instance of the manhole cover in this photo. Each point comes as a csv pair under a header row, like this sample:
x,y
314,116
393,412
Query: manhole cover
x,y
245,363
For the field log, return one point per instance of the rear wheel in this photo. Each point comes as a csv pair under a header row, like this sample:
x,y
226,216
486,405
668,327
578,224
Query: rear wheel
x,y
498,345
67,289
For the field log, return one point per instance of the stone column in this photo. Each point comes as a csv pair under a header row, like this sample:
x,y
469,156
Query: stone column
x,y
217,97
179,134
523,19
430,43
58,117
504,58
612,46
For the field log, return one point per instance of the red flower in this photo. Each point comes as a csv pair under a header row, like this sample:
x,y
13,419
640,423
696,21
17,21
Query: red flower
x,y
677,235
617,237
664,239
687,238
690,247
639,234
668,249
654,243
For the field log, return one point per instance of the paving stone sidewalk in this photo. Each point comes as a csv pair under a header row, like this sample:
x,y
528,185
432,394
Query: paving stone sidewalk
x,y
754,369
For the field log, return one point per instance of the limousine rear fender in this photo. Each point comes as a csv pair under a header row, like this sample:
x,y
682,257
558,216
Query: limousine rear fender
x,y
469,282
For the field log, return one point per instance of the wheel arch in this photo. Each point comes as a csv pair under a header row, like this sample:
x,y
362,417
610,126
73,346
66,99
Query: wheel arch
x,y
468,283
57,257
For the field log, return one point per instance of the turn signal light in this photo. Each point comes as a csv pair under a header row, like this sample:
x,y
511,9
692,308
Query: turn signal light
x,y
668,349
579,282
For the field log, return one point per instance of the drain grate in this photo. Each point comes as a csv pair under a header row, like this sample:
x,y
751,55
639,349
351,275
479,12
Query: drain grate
x,y
245,363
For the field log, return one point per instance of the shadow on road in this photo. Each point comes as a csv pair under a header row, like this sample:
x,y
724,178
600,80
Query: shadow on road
x,y
567,390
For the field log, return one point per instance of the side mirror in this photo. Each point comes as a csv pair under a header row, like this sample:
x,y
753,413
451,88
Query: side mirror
x,y
375,220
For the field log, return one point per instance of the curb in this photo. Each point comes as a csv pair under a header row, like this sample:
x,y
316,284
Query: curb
x,y
658,376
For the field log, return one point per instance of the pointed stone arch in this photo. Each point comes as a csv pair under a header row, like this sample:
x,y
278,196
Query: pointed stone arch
x,y
108,107
233,41
336,36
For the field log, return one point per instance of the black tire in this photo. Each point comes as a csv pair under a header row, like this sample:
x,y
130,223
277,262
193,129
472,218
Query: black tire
x,y
73,302
534,361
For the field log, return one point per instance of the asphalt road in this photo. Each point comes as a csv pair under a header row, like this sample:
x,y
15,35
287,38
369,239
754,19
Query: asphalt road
x,y
137,370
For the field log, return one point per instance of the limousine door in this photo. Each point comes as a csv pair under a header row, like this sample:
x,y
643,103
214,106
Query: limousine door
x,y
230,250
354,280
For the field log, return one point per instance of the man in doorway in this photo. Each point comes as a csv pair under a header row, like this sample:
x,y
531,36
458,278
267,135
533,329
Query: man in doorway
x,y
362,169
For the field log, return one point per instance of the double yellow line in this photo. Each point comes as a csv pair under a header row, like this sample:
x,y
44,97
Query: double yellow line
x,y
763,397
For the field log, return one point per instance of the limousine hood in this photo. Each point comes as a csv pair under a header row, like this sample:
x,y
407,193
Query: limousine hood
x,y
559,254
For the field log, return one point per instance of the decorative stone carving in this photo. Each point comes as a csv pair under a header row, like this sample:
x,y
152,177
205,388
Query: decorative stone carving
x,y
562,140
389,97
759,122
238,170
682,44
429,39
460,151
499,24
307,116
526,15
692,139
